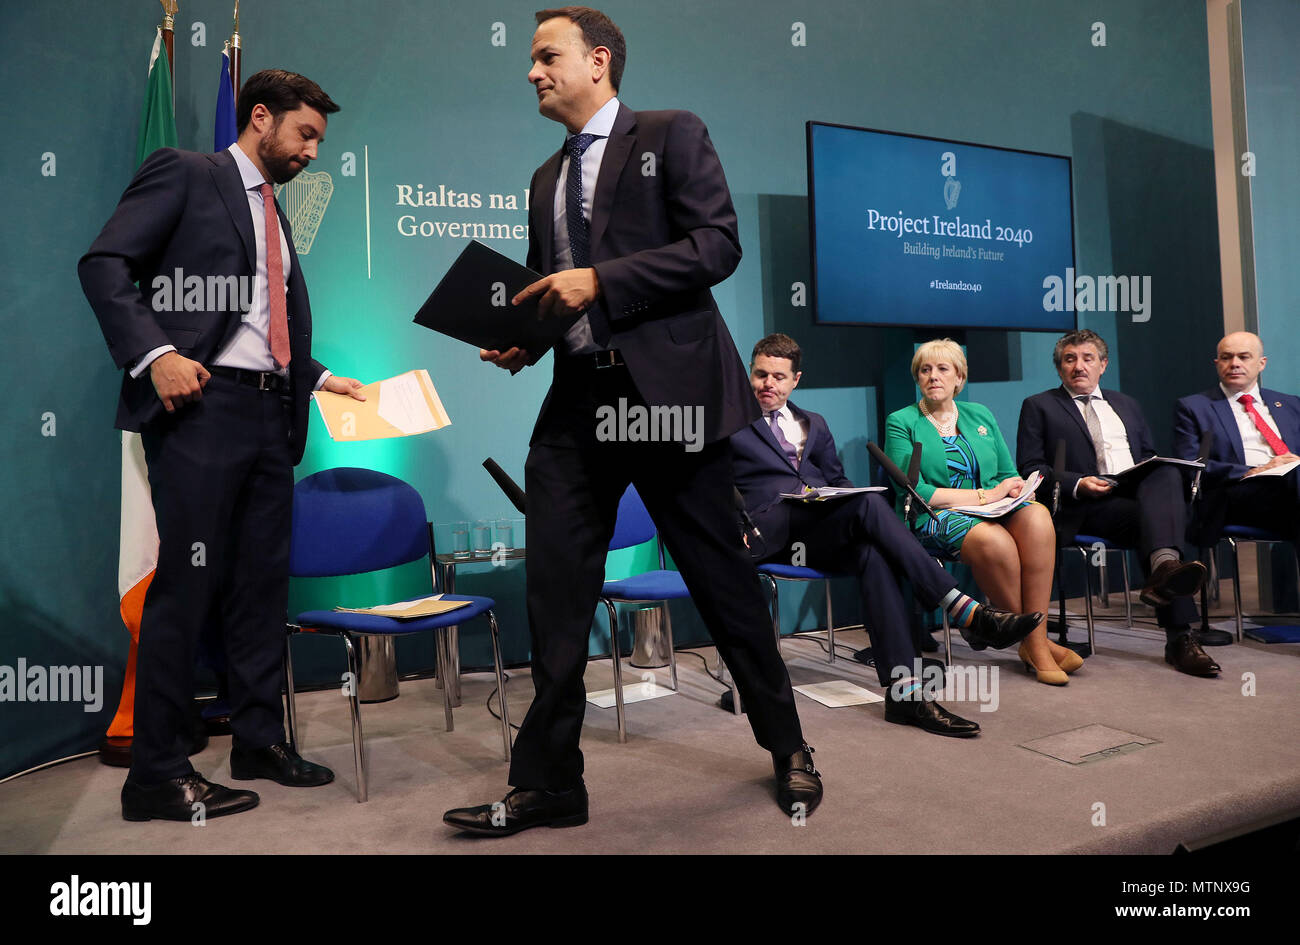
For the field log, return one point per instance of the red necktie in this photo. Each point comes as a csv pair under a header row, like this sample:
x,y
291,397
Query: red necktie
x,y
1275,442
279,328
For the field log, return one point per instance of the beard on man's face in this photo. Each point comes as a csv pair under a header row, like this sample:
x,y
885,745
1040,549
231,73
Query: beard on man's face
x,y
280,163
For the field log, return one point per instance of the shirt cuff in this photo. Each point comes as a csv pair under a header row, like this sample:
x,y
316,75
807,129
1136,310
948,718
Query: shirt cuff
x,y
1074,493
320,381
143,364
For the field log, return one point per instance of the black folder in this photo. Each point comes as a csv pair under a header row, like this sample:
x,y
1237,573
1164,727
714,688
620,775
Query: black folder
x,y
472,304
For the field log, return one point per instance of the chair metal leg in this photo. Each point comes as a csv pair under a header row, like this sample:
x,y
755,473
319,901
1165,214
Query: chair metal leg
x,y
1128,599
1087,600
1064,631
776,609
501,685
443,672
291,704
830,622
1236,585
730,680
618,670
1103,584
672,650
354,700
947,639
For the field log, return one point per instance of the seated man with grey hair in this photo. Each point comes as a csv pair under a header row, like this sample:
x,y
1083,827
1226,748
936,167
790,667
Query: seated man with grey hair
x,y
1104,434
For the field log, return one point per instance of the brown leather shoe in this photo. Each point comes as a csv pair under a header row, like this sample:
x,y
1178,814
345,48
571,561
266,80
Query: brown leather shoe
x,y
1173,579
1186,656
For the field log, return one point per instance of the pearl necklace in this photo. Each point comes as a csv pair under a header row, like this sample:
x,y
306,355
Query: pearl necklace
x,y
945,429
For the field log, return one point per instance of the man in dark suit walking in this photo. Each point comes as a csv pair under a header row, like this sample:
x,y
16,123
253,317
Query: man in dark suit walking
x,y
1105,433
218,387
1256,433
633,223
787,450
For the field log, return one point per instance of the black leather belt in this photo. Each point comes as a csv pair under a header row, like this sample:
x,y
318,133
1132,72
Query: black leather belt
x,y
604,359
262,380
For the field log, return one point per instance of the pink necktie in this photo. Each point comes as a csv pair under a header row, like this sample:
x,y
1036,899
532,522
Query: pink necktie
x,y
279,329
1275,442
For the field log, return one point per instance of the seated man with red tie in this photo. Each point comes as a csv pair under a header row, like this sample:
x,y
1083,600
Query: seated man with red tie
x,y
789,449
1256,432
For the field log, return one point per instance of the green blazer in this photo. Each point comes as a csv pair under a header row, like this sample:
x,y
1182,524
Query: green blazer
x,y
907,426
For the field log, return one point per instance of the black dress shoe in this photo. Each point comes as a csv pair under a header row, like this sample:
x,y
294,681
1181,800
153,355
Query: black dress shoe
x,y
522,808
929,716
999,628
1173,579
278,763
1186,656
175,799
797,782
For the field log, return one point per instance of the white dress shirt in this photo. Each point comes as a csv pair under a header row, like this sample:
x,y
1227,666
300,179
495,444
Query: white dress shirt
x,y
249,347
1118,452
1254,447
578,340
790,426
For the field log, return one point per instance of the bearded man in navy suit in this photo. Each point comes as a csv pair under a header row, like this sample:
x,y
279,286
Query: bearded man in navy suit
x,y
1256,431
788,449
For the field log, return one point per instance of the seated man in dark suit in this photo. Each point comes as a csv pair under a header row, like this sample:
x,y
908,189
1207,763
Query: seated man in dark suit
x,y
1105,433
788,449
1256,432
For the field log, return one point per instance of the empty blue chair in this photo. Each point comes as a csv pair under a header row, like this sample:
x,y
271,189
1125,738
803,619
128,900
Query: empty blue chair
x,y
354,521
633,527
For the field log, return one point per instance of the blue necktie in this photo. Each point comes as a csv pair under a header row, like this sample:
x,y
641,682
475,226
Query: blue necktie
x,y
787,447
577,222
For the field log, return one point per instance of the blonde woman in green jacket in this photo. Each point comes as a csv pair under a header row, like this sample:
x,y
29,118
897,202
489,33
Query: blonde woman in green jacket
x,y
965,461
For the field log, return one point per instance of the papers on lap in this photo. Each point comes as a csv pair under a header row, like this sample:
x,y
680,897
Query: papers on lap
x,y
1009,504
406,610
1280,470
399,406
1150,463
828,492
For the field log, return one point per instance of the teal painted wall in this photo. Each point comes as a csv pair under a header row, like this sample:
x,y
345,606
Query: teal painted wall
x,y
425,92
1271,61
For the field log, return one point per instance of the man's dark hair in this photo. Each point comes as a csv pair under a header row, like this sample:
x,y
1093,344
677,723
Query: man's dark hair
x,y
280,92
597,30
777,345
1082,336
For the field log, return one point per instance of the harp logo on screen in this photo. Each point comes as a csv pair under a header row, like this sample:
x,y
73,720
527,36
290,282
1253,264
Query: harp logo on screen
x,y
951,185
304,200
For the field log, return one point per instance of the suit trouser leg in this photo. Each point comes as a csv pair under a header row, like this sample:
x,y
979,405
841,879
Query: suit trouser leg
x,y
573,498
690,497
1154,517
863,534
255,594
197,459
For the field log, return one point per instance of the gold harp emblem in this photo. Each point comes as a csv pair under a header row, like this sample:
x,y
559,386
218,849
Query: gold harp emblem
x,y
304,200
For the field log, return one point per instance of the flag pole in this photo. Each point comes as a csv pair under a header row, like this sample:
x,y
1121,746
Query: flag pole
x,y
168,32
236,54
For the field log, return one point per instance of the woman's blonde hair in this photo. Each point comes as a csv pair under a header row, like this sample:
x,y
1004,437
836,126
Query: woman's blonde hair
x,y
941,349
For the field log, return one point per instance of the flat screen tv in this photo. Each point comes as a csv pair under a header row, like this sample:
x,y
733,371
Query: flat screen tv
x,y
928,232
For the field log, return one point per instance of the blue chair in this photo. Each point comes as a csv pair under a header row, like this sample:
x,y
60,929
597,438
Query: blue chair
x,y
355,521
1235,535
772,573
1086,545
634,527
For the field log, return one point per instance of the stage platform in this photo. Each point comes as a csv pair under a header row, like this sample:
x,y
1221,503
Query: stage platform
x,y
1205,757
